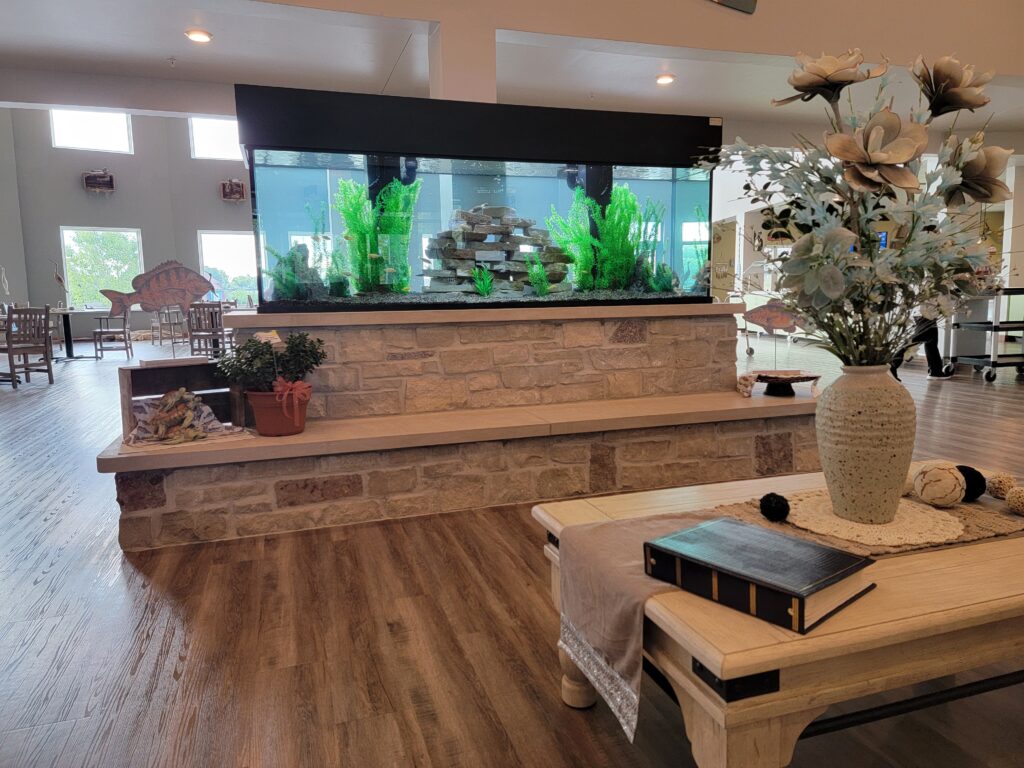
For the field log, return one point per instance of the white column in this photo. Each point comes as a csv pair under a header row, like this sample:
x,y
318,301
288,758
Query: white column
x,y
1013,227
462,58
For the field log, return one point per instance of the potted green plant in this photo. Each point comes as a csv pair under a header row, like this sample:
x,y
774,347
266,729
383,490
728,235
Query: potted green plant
x,y
272,375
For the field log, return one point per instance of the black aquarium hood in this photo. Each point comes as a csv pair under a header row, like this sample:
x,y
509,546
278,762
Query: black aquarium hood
x,y
329,121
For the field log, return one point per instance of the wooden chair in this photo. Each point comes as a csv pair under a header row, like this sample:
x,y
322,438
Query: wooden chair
x,y
170,323
114,334
207,335
28,333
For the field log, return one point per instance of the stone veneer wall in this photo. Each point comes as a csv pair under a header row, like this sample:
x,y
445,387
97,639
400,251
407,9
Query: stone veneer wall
x,y
162,508
382,370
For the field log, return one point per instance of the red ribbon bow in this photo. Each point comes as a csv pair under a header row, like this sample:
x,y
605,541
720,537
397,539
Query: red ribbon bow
x,y
296,391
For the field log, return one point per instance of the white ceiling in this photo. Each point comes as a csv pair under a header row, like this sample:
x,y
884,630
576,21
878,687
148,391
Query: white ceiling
x,y
257,42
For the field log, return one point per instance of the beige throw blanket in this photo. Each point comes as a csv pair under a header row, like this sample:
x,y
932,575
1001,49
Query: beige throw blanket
x,y
604,589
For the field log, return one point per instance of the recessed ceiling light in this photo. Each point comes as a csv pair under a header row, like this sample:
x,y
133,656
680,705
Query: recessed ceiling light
x,y
665,79
198,35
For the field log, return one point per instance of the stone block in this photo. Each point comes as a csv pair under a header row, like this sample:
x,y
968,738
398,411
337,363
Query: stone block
x,y
725,351
354,404
625,383
773,454
310,490
526,376
512,487
510,354
466,360
645,476
645,451
389,481
488,456
437,336
715,328
189,477
183,527
399,336
348,512
549,352
398,369
416,354
411,505
360,346
477,382
603,467
407,457
569,452
742,427
562,482
347,462
627,358
692,354
441,469
338,378
574,393
262,470
806,458
735,445
435,394
499,398
280,522
584,333
140,490
725,469
632,331
135,533
459,491
215,494
677,327
529,452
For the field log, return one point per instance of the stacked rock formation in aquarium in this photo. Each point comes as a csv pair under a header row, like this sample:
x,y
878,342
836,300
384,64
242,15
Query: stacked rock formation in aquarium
x,y
497,239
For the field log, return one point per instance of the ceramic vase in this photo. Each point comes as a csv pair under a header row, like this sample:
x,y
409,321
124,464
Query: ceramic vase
x,y
866,422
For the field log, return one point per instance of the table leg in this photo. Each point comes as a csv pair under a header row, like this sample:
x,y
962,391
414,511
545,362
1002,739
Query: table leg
x,y
577,692
762,744
69,341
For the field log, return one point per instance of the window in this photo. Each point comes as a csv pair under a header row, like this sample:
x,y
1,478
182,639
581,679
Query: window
x,y
99,131
214,138
97,259
229,260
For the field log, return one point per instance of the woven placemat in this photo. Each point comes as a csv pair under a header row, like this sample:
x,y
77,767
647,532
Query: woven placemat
x,y
982,519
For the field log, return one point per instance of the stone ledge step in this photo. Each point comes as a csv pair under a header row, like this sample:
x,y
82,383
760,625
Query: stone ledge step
x,y
325,437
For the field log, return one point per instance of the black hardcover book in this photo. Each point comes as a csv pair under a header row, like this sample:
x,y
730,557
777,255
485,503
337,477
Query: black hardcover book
x,y
791,582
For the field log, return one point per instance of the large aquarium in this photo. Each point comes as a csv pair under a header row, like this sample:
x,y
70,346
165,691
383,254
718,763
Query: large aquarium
x,y
356,218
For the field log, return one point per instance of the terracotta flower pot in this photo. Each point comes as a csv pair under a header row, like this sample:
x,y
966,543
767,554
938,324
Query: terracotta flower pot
x,y
865,422
275,418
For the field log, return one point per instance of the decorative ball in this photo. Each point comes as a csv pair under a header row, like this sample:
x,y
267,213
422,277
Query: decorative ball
x,y
940,484
1015,500
974,481
774,507
1001,484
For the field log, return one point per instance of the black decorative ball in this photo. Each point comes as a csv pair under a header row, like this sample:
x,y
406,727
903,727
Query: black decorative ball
x,y
975,482
774,507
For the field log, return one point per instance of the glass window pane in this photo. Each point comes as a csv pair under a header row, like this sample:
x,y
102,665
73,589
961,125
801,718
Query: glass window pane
x,y
229,260
96,259
214,138
100,131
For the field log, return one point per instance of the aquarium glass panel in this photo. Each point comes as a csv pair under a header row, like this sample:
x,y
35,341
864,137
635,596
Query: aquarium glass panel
x,y
348,230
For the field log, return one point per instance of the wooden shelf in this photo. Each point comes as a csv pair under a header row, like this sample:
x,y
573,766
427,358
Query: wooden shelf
x,y
450,427
252,319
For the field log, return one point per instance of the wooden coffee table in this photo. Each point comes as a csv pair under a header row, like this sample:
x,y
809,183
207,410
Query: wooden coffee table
x,y
748,689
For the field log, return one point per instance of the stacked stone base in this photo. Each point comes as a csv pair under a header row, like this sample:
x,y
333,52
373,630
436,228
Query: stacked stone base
x,y
231,501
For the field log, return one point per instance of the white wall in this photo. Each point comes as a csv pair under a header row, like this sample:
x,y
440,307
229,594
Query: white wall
x,y
160,190
12,247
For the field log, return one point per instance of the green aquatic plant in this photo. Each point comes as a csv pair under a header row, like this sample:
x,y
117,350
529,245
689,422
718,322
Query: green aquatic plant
x,y
626,233
572,234
353,205
537,274
659,279
395,205
483,280
293,277
373,228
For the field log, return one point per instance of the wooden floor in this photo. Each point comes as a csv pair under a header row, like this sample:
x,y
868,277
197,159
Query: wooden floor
x,y
423,642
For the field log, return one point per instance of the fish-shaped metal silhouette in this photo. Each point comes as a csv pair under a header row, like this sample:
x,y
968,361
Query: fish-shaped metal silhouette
x,y
773,316
166,285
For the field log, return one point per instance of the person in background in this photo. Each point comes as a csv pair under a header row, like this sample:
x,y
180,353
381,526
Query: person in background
x,y
926,333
